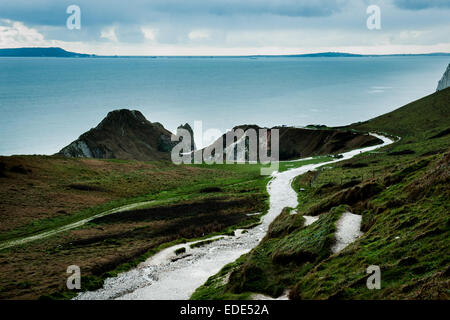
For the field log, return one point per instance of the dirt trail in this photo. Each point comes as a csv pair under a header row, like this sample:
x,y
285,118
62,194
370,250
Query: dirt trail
x,y
167,276
12,243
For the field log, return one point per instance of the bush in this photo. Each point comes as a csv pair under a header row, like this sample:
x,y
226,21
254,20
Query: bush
x,y
180,251
210,189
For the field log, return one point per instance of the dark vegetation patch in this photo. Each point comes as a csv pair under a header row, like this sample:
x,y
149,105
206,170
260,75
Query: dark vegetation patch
x,y
348,196
441,134
209,206
432,180
285,224
20,169
210,190
2,169
179,256
432,152
350,184
180,250
327,188
203,243
316,126
85,187
399,176
401,152
354,165
307,244
185,221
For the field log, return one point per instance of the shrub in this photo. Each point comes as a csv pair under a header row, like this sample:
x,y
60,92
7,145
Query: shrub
x,y
180,251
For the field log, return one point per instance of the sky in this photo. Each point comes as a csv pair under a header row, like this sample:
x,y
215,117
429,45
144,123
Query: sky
x,y
227,27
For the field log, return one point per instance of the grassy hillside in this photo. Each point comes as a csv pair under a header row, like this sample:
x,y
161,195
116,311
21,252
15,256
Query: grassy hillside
x,y
402,192
181,202
175,204
40,192
417,120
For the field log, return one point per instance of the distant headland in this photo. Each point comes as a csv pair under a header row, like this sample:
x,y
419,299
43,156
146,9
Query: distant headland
x,y
42,52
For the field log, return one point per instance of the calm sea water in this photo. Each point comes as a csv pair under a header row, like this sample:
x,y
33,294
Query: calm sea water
x,y
45,103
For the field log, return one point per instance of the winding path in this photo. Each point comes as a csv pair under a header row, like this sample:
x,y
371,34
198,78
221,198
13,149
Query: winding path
x,y
12,243
163,277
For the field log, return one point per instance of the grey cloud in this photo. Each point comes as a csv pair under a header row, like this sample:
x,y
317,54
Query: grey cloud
x,y
103,12
231,22
421,4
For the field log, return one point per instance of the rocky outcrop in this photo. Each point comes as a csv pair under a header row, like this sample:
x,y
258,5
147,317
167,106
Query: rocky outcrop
x,y
295,143
188,128
123,134
127,134
299,143
445,80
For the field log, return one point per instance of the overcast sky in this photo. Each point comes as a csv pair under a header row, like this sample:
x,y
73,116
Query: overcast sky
x,y
227,27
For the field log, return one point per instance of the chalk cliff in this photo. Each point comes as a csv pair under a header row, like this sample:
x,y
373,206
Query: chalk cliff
x,y
445,80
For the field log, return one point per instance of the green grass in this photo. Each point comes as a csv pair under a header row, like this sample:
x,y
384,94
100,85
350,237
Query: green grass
x,y
232,179
215,286
289,249
243,178
46,224
203,243
416,121
122,249
405,222
232,187
180,251
94,282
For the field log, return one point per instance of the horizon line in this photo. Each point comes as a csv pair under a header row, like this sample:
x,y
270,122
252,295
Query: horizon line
x,y
331,53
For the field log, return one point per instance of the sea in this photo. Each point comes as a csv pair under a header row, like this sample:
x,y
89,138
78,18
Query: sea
x,y
46,103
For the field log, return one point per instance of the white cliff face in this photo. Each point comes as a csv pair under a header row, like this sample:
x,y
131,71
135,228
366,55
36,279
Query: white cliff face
x,y
77,148
445,81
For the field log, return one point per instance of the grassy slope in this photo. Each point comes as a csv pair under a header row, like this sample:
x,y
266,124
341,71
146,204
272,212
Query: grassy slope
x,y
56,191
188,202
403,198
416,121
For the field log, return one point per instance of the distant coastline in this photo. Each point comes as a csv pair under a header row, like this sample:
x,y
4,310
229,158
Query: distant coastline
x,y
55,52
42,52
